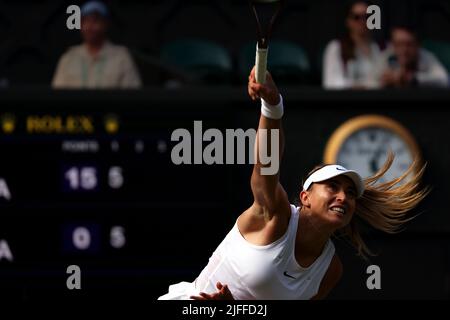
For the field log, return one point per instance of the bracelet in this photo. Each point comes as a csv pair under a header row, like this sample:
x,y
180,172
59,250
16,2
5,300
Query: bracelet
x,y
272,112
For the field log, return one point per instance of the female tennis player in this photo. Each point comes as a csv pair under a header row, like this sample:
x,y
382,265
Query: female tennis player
x,y
276,250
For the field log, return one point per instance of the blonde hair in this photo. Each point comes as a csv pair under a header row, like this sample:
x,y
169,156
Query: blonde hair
x,y
385,206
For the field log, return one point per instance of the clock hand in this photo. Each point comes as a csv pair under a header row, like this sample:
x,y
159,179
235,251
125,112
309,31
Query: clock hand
x,y
374,162
373,165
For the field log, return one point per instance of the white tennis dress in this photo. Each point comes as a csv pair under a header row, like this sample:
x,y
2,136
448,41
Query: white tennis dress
x,y
258,272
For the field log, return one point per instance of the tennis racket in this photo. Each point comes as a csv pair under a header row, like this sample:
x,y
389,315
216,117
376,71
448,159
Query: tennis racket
x,y
262,8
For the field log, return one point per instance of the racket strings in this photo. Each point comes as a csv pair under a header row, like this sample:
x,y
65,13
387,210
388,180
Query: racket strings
x,y
264,39
262,42
272,21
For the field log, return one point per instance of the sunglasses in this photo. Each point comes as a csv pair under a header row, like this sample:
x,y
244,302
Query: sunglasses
x,y
355,16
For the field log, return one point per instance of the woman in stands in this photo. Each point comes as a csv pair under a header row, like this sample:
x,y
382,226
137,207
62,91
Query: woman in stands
x,y
350,62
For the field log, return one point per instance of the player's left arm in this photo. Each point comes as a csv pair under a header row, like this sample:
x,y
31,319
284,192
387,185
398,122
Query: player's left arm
x,y
330,279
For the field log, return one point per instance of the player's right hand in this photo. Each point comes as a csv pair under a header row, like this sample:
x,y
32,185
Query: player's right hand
x,y
268,91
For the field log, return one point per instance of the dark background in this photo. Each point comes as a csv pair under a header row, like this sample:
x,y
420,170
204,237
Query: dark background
x,y
175,216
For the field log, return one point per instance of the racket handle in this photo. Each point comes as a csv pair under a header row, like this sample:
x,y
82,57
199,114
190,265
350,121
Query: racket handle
x,y
261,64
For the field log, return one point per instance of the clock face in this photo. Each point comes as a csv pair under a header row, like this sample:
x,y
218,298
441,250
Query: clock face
x,y
366,150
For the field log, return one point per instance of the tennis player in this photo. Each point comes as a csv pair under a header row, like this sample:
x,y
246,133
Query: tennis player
x,y
276,250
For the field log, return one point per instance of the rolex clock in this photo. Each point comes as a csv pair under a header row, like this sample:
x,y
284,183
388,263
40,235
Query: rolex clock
x,y
363,143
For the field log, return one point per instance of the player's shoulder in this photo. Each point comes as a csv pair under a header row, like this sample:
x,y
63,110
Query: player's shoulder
x,y
263,227
283,210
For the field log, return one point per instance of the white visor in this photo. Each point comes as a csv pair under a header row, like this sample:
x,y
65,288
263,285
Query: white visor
x,y
332,171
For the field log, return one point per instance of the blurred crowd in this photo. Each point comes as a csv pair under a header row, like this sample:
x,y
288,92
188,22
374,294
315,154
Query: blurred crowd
x,y
353,61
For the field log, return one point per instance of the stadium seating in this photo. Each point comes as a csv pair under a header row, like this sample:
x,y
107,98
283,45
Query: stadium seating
x,y
206,62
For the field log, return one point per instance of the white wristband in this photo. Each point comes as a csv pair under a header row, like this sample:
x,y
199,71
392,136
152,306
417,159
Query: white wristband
x,y
272,112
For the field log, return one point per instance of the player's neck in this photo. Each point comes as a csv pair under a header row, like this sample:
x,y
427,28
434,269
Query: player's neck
x,y
311,236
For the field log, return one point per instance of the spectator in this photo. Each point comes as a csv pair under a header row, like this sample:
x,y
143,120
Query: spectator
x,y
349,62
405,64
97,63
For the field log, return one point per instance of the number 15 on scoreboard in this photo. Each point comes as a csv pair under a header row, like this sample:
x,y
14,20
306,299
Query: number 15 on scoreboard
x,y
87,179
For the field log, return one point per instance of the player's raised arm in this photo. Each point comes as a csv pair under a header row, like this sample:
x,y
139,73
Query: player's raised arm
x,y
268,193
